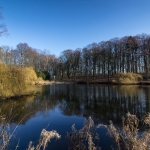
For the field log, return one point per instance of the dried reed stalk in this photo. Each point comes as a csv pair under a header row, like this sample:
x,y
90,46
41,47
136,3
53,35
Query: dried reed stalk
x,y
45,137
128,137
146,119
84,138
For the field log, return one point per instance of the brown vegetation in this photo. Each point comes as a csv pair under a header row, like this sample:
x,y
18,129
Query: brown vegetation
x,y
127,78
125,138
15,80
84,138
7,132
128,138
45,137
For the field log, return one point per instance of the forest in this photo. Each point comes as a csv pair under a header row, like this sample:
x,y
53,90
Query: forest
x,y
126,54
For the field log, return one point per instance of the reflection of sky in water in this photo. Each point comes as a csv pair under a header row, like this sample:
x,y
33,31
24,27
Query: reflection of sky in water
x,y
58,107
53,120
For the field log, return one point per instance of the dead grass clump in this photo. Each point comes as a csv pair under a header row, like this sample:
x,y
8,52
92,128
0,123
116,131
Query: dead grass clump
x,y
127,78
84,138
146,119
45,137
128,138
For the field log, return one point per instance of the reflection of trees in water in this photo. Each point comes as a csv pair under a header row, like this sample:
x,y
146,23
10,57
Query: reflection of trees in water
x,y
29,105
147,98
103,103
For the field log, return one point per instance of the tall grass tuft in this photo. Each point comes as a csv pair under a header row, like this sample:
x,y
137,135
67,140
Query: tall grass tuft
x,y
45,137
84,138
7,132
15,80
128,138
127,78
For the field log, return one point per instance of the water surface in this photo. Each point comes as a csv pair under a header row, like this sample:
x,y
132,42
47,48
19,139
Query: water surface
x,y
58,107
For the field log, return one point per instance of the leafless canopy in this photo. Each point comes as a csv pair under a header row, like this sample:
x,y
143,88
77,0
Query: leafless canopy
x,y
3,28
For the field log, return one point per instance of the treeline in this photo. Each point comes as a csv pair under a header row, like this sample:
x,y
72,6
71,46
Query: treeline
x,y
126,54
25,56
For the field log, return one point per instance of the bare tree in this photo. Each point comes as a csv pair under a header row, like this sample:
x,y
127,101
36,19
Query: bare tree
x,y
68,57
22,51
6,55
3,28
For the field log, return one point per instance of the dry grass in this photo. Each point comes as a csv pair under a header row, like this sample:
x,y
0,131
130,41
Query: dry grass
x,y
146,119
128,138
4,135
45,137
5,128
127,78
14,81
84,138
6,132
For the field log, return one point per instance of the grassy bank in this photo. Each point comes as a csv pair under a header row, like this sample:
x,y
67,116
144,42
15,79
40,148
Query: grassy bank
x,y
16,81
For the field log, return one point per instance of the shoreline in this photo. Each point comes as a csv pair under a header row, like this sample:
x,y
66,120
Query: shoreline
x,y
40,83
90,82
33,92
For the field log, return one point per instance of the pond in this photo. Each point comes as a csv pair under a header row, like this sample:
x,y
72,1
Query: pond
x,y
58,107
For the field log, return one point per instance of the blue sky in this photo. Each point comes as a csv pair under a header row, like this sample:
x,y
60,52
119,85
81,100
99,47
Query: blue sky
x,y
57,25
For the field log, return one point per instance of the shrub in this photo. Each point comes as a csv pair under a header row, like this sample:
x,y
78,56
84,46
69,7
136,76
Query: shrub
x,y
14,80
127,78
47,75
43,74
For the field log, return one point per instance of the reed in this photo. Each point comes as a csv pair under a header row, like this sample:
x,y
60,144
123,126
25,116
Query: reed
x,y
83,139
7,132
128,137
86,138
45,137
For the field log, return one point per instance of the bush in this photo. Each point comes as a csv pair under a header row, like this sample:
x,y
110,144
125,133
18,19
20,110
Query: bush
x,y
40,74
127,78
43,74
15,80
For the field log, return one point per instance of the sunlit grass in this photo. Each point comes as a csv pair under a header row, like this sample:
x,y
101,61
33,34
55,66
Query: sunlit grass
x,y
127,78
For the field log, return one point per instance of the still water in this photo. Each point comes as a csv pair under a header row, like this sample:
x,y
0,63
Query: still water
x,y
58,107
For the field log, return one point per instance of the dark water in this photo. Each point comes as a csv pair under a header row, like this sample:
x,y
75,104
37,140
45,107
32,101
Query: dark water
x,y
58,107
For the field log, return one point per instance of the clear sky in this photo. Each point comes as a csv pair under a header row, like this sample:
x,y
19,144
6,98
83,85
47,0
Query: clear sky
x,y
57,25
